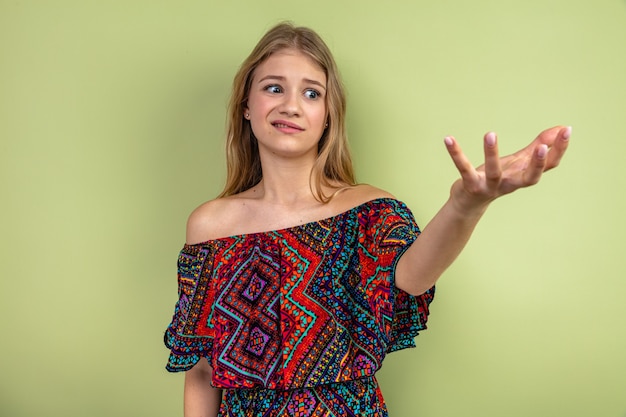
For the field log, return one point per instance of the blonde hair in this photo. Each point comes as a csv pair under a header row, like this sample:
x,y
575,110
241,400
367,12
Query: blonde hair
x,y
333,165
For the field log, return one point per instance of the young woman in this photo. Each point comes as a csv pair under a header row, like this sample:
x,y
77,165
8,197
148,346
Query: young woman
x,y
296,281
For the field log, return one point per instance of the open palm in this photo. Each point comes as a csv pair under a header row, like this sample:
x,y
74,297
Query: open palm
x,y
502,175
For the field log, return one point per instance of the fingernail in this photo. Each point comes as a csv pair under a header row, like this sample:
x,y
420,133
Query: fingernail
x,y
568,132
448,140
542,151
490,139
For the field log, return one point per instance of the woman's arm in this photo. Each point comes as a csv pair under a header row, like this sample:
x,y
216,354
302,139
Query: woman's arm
x,y
201,399
447,233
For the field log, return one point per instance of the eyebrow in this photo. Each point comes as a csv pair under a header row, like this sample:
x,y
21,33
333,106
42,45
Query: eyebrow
x,y
281,78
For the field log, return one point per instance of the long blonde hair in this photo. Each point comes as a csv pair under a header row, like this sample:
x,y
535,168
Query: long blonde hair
x,y
333,165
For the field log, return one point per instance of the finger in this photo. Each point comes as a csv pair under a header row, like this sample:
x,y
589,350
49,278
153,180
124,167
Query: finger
x,y
549,136
493,169
537,165
463,165
558,149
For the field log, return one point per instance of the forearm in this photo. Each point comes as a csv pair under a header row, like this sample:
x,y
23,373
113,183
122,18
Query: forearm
x,y
201,399
441,241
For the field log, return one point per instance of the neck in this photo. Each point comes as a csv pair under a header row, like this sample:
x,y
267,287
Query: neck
x,y
286,182
286,189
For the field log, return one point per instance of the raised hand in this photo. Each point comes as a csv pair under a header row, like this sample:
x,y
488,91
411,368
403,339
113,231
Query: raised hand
x,y
498,176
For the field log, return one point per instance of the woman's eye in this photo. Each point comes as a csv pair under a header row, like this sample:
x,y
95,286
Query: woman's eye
x,y
274,89
312,94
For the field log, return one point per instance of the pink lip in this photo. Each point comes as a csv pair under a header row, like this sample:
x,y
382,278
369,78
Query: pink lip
x,y
287,127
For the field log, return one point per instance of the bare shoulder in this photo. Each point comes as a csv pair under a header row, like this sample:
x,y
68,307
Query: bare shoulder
x,y
211,220
359,194
246,213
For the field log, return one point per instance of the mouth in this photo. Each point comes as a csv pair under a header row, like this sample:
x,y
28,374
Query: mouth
x,y
282,125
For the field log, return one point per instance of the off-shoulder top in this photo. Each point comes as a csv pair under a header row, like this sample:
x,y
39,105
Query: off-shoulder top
x,y
301,306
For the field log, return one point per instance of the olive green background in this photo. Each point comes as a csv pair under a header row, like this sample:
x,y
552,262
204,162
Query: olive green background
x,y
111,130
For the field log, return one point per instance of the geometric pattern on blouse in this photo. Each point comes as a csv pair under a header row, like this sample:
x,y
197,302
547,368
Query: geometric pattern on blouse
x,y
358,398
299,307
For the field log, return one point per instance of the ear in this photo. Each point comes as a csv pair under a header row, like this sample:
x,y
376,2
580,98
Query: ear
x,y
246,111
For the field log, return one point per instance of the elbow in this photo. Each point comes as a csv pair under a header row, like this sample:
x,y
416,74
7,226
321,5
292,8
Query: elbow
x,y
416,284
417,291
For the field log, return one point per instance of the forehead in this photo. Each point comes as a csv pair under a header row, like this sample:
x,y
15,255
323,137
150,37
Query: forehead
x,y
292,63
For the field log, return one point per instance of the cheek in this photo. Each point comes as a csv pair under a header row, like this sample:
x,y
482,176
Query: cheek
x,y
320,116
258,126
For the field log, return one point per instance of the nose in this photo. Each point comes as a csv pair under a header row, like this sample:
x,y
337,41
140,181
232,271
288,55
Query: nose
x,y
290,106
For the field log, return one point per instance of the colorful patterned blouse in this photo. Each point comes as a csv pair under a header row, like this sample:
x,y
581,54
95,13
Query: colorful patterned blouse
x,y
298,311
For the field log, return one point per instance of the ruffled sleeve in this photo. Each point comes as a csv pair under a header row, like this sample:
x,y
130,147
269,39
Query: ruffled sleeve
x,y
190,334
401,315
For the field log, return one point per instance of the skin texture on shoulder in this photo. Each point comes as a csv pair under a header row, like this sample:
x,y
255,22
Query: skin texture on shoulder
x,y
251,212
207,221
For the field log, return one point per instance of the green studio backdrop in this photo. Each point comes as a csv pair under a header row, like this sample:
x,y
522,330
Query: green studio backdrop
x,y
112,126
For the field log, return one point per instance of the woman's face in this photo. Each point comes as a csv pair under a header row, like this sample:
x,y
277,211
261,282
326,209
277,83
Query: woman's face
x,y
287,104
